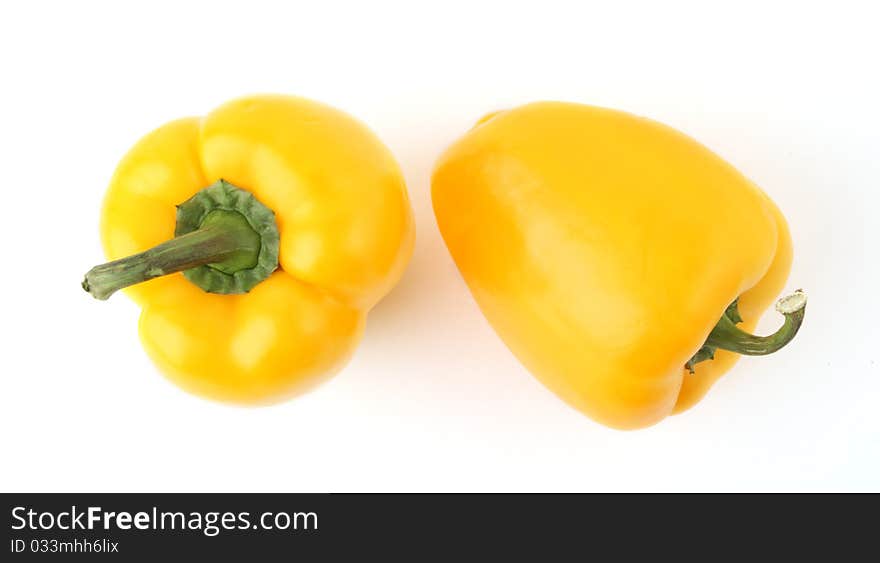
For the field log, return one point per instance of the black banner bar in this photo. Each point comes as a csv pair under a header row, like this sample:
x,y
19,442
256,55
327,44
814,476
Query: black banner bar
x,y
415,526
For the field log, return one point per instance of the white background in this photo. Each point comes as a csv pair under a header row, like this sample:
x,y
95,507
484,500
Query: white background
x,y
433,401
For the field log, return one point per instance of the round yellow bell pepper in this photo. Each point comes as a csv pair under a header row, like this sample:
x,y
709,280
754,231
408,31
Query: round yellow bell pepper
x,y
613,255
305,225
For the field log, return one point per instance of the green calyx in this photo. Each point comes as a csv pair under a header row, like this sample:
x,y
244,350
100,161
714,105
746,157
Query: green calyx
x,y
727,336
253,263
225,241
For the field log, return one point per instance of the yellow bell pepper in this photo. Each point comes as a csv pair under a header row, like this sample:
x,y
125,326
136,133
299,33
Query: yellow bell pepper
x,y
613,255
288,219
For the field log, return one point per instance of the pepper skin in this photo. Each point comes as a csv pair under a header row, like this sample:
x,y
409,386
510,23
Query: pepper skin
x,y
346,235
603,248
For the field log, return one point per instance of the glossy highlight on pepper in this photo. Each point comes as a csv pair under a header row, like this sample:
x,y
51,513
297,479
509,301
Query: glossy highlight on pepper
x,y
256,239
622,262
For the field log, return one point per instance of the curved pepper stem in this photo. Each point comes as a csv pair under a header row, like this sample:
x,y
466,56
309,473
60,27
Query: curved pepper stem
x,y
727,336
225,241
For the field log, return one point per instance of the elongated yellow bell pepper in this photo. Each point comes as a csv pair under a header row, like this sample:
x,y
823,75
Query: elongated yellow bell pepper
x,y
622,262
259,237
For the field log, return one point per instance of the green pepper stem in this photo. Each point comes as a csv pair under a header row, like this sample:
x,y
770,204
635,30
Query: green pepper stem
x,y
727,336
225,241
